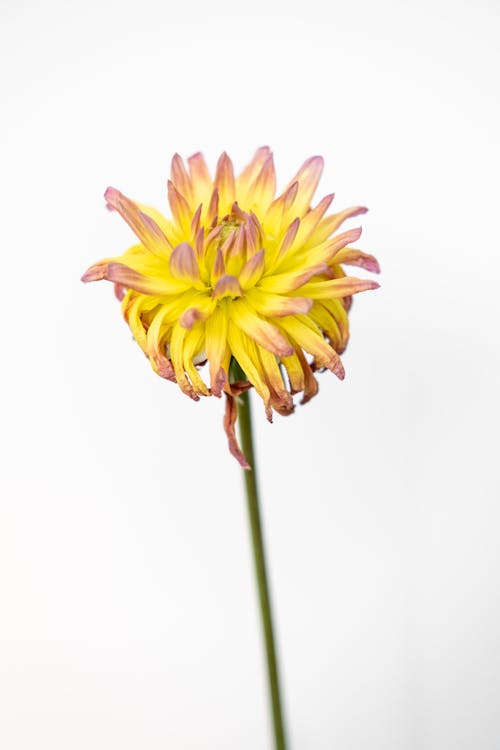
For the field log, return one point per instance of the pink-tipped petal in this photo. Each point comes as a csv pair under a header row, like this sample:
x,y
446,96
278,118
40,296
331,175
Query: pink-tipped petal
x,y
97,272
263,187
308,178
227,286
276,305
312,218
200,176
143,226
224,181
253,168
180,177
179,207
184,265
289,238
335,288
130,279
253,269
195,221
289,282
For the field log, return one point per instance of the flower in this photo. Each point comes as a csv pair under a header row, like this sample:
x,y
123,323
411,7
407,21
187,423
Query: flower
x,y
237,276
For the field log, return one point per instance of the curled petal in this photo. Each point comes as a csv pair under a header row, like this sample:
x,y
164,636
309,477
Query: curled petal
x,y
353,257
311,386
230,416
201,310
177,343
309,337
97,272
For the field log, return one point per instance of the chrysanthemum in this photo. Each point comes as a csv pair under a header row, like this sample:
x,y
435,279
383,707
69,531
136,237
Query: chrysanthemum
x,y
238,277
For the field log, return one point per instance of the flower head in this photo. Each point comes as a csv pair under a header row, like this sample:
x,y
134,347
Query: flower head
x,y
238,277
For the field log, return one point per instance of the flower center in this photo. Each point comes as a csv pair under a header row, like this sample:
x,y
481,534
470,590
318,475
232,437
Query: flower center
x,y
228,226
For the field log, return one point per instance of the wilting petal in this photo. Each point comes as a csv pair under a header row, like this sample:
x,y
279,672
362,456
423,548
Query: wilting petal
x,y
281,399
193,346
308,337
230,416
177,358
310,383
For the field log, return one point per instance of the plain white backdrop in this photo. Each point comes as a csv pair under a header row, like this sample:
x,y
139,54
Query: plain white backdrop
x,y
128,610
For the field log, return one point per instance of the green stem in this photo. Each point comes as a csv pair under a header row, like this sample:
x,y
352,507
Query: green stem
x,y
245,427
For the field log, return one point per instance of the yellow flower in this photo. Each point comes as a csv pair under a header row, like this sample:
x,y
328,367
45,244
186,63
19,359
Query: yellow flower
x,y
238,276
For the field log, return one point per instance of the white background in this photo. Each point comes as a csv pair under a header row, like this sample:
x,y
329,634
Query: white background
x,y
128,610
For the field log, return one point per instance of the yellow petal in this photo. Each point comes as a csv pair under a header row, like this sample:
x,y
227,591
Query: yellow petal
x,y
265,334
216,346
244,351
